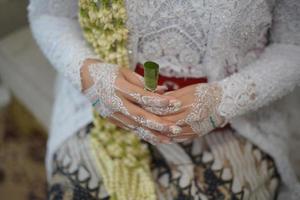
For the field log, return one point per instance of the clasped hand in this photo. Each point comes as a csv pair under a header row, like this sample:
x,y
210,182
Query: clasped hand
x,y
118,94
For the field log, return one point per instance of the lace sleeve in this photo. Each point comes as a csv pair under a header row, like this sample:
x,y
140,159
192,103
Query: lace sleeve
x,y
56,29
274,74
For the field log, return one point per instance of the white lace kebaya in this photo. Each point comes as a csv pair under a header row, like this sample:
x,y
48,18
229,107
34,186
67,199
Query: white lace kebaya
x,y
221,37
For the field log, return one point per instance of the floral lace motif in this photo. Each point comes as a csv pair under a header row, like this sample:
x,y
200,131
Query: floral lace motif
x,y
204,117
183,35
102,94
239,93
261,83
170,32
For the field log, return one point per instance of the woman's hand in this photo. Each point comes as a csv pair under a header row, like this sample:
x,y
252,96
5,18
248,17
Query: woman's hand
x,y
199,111
118,94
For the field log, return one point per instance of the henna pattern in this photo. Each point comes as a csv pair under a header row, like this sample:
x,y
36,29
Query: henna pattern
x,y
204,116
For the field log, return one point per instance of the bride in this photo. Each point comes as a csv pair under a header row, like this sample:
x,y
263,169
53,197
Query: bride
x,y
216,127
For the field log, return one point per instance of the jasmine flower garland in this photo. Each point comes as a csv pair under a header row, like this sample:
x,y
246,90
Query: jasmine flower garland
x,y
122,159
123,162
104,27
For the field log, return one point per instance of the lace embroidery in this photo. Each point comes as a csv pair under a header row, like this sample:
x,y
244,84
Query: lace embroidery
x,y
183,35
141,132
204,117
146,135
169,32
160,108
239,93
106,102
148,100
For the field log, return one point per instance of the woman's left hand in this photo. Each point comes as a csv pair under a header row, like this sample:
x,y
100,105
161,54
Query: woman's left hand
x,y
199,110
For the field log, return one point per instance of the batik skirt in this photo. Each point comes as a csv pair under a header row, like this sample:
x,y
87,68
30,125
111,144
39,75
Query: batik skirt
x,y
222,165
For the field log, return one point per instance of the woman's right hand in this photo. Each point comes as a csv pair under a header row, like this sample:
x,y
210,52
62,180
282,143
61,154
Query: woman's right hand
x,y
118,94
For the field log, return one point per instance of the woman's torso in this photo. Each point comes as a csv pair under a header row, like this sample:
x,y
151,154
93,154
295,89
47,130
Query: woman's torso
x,y
191,38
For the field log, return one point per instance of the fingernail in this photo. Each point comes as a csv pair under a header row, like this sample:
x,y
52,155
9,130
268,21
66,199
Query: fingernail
x,y
180,140
155,101
175,130
175,103
166,141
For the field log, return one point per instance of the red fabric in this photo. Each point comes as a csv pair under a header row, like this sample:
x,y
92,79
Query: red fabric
x,y
173,83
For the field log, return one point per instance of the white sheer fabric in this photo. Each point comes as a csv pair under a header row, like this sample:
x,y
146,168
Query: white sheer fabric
x,y
57,31
192,38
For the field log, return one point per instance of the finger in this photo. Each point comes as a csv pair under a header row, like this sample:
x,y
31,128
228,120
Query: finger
x,y
132,125
186,135
118,124
184,132
161,89
150,120
179,92
183,139
144,134
177,118
140,96
180,140
176,93
133,77
138,80
187,129
163,111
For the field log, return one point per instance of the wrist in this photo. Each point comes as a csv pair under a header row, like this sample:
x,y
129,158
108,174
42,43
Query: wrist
x,y
217,93
86,79
100,78
238,95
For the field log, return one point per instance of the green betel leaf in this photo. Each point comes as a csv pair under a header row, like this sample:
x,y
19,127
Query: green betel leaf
x,y
151,71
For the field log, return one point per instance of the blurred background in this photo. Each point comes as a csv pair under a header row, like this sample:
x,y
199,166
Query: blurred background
x,y
26,98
